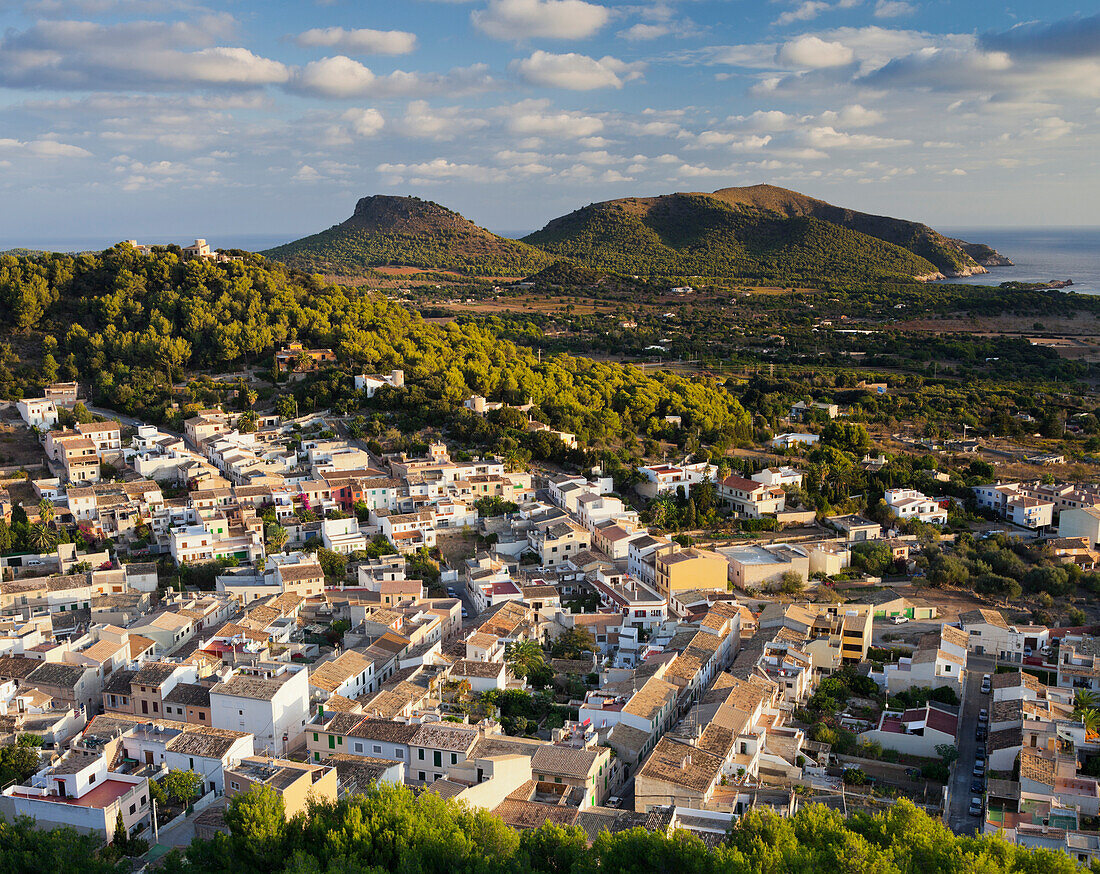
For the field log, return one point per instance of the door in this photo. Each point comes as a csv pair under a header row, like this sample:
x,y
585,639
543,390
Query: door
x,y
332,741
148,757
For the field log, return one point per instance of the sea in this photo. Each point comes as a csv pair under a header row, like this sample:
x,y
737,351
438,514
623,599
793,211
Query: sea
x,y
1039,255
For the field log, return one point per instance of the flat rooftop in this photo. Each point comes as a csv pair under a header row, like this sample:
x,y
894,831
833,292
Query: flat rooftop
x,y
101,797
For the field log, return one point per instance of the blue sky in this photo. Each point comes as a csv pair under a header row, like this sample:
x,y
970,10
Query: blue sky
x,y
164,119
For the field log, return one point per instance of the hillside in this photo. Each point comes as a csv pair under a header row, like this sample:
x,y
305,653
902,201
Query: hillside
x,y
761,232
389,231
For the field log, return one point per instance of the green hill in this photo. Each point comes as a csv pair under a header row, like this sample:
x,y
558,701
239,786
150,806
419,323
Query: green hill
x,y
387,231
760,232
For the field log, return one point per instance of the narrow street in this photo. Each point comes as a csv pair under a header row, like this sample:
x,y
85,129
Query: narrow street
x,y
959,819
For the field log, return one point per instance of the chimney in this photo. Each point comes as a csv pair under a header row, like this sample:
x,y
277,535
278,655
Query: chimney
x,y
685,762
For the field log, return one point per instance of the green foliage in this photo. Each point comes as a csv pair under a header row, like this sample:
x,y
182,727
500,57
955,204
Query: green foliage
x,y
182,786
19,761
26,849
700,235
573,643
390,829
872,556
406,231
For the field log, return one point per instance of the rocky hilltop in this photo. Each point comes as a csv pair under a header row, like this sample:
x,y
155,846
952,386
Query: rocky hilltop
x,y
760,230
389,231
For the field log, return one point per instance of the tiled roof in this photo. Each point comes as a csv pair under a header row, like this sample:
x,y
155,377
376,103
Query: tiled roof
x,y
56,674
210,743
532,814
190,694
154,673
567,761
385,730
444,737
681,765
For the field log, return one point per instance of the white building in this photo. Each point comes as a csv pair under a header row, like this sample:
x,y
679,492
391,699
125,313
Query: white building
x,y
912,504
40,413
343,535
371,383
269,700
779,476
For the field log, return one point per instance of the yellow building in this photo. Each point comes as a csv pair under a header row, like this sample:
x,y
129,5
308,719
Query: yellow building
x,y
680,569
295,782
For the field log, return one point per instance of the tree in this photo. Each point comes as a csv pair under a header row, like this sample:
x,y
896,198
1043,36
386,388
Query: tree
x,y
182,786
792,583
40,539
257,821
275,536
19,761
524,657
573,643
947,752
46,511
246,422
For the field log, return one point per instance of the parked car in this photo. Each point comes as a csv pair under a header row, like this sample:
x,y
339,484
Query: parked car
x,y
465,613
977,787
900,620
983,716
987,684
975,806
979,769
1028,651
980,733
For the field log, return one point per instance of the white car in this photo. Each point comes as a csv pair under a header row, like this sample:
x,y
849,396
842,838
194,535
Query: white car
x,y
900,620
987,684
975,806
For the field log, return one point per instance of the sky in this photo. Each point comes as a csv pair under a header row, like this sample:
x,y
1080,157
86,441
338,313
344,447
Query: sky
x,y
164,120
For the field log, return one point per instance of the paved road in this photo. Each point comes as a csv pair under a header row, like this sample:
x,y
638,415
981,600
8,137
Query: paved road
x,y
958,800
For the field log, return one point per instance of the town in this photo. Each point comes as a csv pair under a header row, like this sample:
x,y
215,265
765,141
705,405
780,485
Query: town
x,y
269,600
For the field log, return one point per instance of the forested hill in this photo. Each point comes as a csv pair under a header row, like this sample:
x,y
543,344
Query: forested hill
x,y
127,322
387,231
761,232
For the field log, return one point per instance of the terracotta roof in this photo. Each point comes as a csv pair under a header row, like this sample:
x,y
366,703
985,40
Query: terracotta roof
x,y
386,730
210,743
532,814
565,761
441,736
682,765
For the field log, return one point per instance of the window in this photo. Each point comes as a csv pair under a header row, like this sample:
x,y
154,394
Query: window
x,y
91,778
133,808
437,758
233,784
377,748
400,753
315,735
420,755
454,758
421,776
191,764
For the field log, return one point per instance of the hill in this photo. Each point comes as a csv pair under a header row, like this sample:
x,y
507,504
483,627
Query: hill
x,y
386,231
762,232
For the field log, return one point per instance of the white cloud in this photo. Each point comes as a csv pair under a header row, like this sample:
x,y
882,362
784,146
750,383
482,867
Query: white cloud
x,y
576,72
342,77
437,170
361,41
534,118
421,120
826,137
526,19
805,11
813,53
734,142
307,174
364,122
852,116
1052,128
136,55
44,148
893,9
642,31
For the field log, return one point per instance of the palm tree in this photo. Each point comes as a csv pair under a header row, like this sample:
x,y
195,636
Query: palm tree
x,y
276,538
524,657
40,539
45,511
1090,716
1084,699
